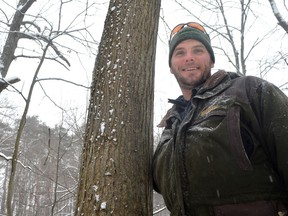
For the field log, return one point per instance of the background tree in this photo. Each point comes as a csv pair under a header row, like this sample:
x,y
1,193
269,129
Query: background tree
x,y
47,176
14,34
118,144
231,35
7,55
282,53
278,15
45,44
36,178
245,34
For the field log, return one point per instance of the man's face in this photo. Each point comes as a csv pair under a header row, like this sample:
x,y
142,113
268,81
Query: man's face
x,y
191,64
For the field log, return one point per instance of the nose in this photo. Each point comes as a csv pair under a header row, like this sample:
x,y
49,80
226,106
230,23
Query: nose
x,y
189,57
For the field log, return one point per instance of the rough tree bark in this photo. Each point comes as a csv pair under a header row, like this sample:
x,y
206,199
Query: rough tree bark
x,y
115,169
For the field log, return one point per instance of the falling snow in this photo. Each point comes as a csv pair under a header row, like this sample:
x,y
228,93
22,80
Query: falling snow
x,y
218,193
271,179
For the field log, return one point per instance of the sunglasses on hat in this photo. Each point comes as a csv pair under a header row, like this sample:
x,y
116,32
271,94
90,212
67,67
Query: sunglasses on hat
x,y
180,26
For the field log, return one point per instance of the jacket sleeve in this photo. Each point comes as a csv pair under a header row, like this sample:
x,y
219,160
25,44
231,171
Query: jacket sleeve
x,y
273,106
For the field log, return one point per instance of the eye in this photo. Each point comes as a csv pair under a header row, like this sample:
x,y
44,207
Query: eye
x,y
179,52
198,50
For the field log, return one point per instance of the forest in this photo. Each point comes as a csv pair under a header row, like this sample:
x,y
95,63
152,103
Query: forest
x,y
77,126
48,166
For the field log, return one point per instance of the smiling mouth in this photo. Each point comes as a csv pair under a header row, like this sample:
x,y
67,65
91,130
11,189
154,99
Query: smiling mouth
x,y
190,68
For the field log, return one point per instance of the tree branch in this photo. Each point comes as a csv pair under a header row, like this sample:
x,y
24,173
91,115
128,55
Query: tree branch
x,y
4,83
59,79
279,17
9,158
10,46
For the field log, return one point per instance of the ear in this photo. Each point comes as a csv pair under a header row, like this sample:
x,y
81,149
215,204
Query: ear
x,y
212,64
171,71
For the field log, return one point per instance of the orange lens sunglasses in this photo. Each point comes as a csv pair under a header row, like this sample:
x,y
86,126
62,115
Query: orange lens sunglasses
x,y
177,28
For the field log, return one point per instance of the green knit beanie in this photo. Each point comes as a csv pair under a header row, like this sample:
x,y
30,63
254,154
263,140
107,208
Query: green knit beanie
x,y
190,33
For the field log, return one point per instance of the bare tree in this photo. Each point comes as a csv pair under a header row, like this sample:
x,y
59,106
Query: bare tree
x,y
233,24
48,46
281,20
282,56
7,55
40,30
47,184
14,35
19,134
115,169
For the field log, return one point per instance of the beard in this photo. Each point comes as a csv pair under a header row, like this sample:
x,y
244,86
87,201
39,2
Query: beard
x,y
187,83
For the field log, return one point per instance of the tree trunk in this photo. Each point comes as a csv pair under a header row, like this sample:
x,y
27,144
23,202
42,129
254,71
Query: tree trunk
x,y
10,45
115,170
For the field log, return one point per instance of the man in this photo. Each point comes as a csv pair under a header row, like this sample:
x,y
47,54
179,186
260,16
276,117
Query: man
x,y
224,149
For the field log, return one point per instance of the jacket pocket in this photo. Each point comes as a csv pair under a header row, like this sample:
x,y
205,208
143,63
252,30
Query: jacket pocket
x,y
222,122
235,138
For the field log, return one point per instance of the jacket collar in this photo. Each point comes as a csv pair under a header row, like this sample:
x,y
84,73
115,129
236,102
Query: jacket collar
x,y
216,83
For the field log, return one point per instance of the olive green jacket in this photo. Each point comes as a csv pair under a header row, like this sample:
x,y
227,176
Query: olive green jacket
x,y
202,158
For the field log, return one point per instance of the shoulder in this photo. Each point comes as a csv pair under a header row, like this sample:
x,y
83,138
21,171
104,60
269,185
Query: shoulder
x,y
248,83
258,84
259,89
